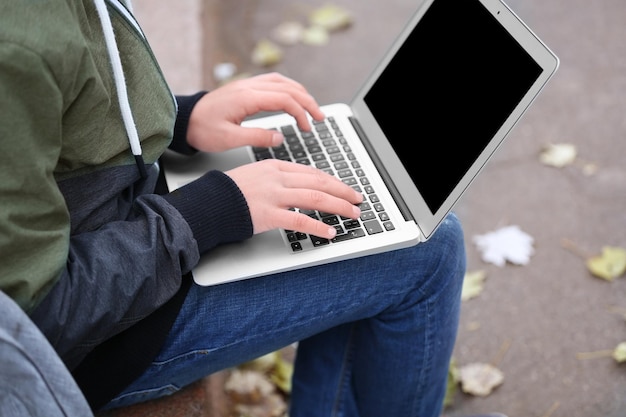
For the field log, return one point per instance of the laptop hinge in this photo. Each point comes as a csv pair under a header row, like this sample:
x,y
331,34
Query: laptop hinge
x,y
404,209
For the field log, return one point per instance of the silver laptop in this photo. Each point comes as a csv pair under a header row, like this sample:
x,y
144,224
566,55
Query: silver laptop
x,y
435,109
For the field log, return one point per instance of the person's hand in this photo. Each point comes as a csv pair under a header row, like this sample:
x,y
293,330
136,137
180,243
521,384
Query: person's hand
x,y
214,124
272,186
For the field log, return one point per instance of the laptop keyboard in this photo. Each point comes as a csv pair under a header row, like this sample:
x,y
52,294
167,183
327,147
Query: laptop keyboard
x,y
326,148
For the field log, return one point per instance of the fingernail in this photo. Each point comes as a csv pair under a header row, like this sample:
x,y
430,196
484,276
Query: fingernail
x,y
277,139
332,232
357,211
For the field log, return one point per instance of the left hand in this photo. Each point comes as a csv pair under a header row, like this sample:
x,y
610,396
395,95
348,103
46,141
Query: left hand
x,y
214,124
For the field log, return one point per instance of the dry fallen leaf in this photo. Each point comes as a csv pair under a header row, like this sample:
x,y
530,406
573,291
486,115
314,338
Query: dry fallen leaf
x,y
330,17
281,373
252,394
589,168
266,53
315,35
263,363
272,406
246,386
610,265
224,71
509,243
453,381
619,353
480,379
288,33
473,284
558,155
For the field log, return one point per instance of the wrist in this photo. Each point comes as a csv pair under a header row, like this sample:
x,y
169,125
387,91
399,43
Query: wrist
x,y
180,142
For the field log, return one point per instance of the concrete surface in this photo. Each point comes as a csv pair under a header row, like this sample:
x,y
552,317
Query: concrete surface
x,y
532,321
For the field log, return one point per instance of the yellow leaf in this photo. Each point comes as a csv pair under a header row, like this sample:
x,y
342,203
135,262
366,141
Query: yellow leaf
x,y
330,17
558,155
473,284
266,53
610,265
282,373
263,363
453,381
315,35
619,353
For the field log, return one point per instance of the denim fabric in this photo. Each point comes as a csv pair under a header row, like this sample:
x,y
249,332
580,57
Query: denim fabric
x,y
375,333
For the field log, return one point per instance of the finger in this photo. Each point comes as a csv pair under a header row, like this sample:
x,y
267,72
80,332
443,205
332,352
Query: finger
x,y
275,77
275,82
292,220
308,177
317,200
314,184
303,96
295,104
241,136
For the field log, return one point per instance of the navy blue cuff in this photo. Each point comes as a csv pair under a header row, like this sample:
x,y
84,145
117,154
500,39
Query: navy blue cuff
x,y
214,208
185,106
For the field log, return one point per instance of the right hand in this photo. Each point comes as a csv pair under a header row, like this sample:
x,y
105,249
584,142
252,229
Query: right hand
x,y
215,121
272,186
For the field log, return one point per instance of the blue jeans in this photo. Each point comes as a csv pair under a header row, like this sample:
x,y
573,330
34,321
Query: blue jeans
x,y
375,333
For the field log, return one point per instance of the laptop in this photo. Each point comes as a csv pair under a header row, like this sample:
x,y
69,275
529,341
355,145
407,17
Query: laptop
x,y
432,113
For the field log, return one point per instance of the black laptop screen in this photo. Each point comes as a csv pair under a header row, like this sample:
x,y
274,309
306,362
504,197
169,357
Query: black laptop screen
x,y
456,78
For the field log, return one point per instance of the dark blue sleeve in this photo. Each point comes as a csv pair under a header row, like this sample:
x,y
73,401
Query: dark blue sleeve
x,y
185,106
214,208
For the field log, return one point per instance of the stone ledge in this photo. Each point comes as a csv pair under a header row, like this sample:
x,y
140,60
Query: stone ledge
x,y
204,398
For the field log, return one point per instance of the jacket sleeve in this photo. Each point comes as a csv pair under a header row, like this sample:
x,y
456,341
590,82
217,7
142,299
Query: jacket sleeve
x,y
185,106
34,220
81,285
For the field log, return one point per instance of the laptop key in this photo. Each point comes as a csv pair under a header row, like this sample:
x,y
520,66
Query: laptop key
x,y
367,215
372,227
331,220
352,234
351,224
288,130
319,241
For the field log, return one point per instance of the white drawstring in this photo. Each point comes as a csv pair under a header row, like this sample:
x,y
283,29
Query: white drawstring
x,y
120,84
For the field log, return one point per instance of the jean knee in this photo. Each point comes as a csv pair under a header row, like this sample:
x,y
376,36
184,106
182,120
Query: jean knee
x,y
451,233
447,249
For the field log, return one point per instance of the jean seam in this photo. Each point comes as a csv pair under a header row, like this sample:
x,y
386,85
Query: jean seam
x,y
344,374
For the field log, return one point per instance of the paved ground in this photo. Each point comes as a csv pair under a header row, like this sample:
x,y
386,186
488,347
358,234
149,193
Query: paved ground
x,y
532,321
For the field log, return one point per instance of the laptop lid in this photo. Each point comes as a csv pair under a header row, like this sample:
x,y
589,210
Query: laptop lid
x,y
442,100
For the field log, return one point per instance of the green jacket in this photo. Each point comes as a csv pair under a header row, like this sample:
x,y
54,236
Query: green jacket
x,y
86,247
